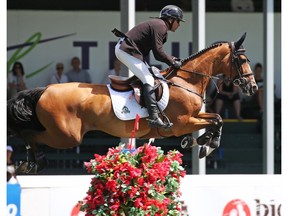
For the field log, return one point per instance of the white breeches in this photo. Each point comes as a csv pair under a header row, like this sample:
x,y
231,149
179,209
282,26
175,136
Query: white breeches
x,y
138,67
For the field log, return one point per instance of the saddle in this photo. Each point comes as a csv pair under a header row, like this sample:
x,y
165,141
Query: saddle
x,y
122,84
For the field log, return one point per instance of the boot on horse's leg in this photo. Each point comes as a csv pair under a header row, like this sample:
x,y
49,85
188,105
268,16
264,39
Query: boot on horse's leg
x,y
211,139
215,142
28,165
41,161
205,138
150,100
35,162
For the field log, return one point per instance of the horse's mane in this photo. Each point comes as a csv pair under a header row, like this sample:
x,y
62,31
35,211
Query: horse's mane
x,y
212,46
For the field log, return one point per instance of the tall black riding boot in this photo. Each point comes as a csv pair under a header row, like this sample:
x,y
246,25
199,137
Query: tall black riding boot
x,y
150,100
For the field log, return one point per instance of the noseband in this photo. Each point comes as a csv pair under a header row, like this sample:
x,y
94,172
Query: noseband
x,y
237,62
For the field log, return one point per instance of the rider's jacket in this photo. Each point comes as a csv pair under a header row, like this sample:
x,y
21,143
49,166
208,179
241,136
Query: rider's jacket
x,y
147,36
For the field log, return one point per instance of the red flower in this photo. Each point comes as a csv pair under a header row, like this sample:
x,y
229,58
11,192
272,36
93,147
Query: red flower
x,y
150,154
132,192
98,200
88,166
115,206
138,202
140,181
162,169
114,151
176,156
123,180
111,185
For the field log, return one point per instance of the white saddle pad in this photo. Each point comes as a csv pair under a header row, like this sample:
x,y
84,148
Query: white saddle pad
x,y
126,107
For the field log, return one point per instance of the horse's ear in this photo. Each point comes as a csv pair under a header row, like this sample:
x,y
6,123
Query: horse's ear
x,y
239,42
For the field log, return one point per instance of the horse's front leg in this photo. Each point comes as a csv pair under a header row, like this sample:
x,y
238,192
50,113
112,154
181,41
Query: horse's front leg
x,y
210,140
213,134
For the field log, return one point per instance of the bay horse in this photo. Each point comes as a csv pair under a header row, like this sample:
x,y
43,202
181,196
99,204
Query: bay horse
x,y
59,115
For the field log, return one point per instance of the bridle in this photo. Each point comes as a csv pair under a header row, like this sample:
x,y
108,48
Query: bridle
x,y
237,63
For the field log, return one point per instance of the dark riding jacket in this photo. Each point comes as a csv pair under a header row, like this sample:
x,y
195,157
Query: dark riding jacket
x,y
147,36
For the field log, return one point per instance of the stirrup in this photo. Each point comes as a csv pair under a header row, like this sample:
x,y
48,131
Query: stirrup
x,y
153,123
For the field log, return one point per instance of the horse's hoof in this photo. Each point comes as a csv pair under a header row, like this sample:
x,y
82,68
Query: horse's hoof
x,y
31,168
202,152
215,143
21,169
26,168
205,138
209,150
188,142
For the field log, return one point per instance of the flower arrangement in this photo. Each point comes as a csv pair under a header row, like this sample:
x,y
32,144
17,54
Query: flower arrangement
x,y
144,182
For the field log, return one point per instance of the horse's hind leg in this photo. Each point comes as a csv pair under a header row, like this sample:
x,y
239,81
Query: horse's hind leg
x,y
29,165
36,160
188,142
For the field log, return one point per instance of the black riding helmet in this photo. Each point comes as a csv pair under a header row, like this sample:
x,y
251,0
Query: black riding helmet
x,y
172,11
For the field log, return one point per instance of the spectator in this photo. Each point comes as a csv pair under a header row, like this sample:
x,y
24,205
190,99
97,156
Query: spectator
x,y
114,71
259,80
16,80
228,92
76,74
11,176
58,76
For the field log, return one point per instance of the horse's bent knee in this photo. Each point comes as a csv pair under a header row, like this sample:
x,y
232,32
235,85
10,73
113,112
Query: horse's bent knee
x,y
218,122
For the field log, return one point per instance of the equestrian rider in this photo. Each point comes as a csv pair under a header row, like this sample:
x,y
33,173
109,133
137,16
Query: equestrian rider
x,y
136,45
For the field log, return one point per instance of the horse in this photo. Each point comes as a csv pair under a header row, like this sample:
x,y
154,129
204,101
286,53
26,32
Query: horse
x,y
59,115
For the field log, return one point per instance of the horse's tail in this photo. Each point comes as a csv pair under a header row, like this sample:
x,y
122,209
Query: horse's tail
x,y
21,111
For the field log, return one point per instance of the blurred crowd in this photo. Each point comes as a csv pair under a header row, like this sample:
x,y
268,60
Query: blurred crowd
x,y
16,77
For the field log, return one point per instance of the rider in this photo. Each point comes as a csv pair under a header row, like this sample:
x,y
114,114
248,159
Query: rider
x,y
136,45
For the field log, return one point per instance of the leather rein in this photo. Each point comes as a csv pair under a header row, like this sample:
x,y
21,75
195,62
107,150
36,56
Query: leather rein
x,y
236,62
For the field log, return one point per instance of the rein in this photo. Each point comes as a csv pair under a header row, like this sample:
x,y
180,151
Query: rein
x,y
191,91
235,61
199,73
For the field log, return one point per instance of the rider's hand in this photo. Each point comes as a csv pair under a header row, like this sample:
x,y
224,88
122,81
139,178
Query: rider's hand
x,y
177,64
176,59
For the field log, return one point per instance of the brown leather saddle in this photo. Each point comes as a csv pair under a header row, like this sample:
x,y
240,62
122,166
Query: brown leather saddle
x,y
120,83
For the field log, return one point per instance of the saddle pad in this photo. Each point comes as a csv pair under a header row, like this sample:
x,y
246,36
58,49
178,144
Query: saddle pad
x,y
126,107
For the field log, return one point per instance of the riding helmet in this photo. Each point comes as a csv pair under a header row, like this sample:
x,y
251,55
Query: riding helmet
x,y
172,11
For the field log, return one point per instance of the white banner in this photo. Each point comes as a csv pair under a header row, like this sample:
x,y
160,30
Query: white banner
x,y
202,195
232,195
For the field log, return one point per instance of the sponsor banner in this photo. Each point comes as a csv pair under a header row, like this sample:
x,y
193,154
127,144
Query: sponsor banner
x,y
232,195
13,200
202,195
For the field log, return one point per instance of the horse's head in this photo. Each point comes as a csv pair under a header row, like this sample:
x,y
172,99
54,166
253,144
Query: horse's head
x,y
241,72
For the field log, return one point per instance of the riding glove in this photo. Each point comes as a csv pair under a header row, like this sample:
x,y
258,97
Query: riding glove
x,y
177,64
